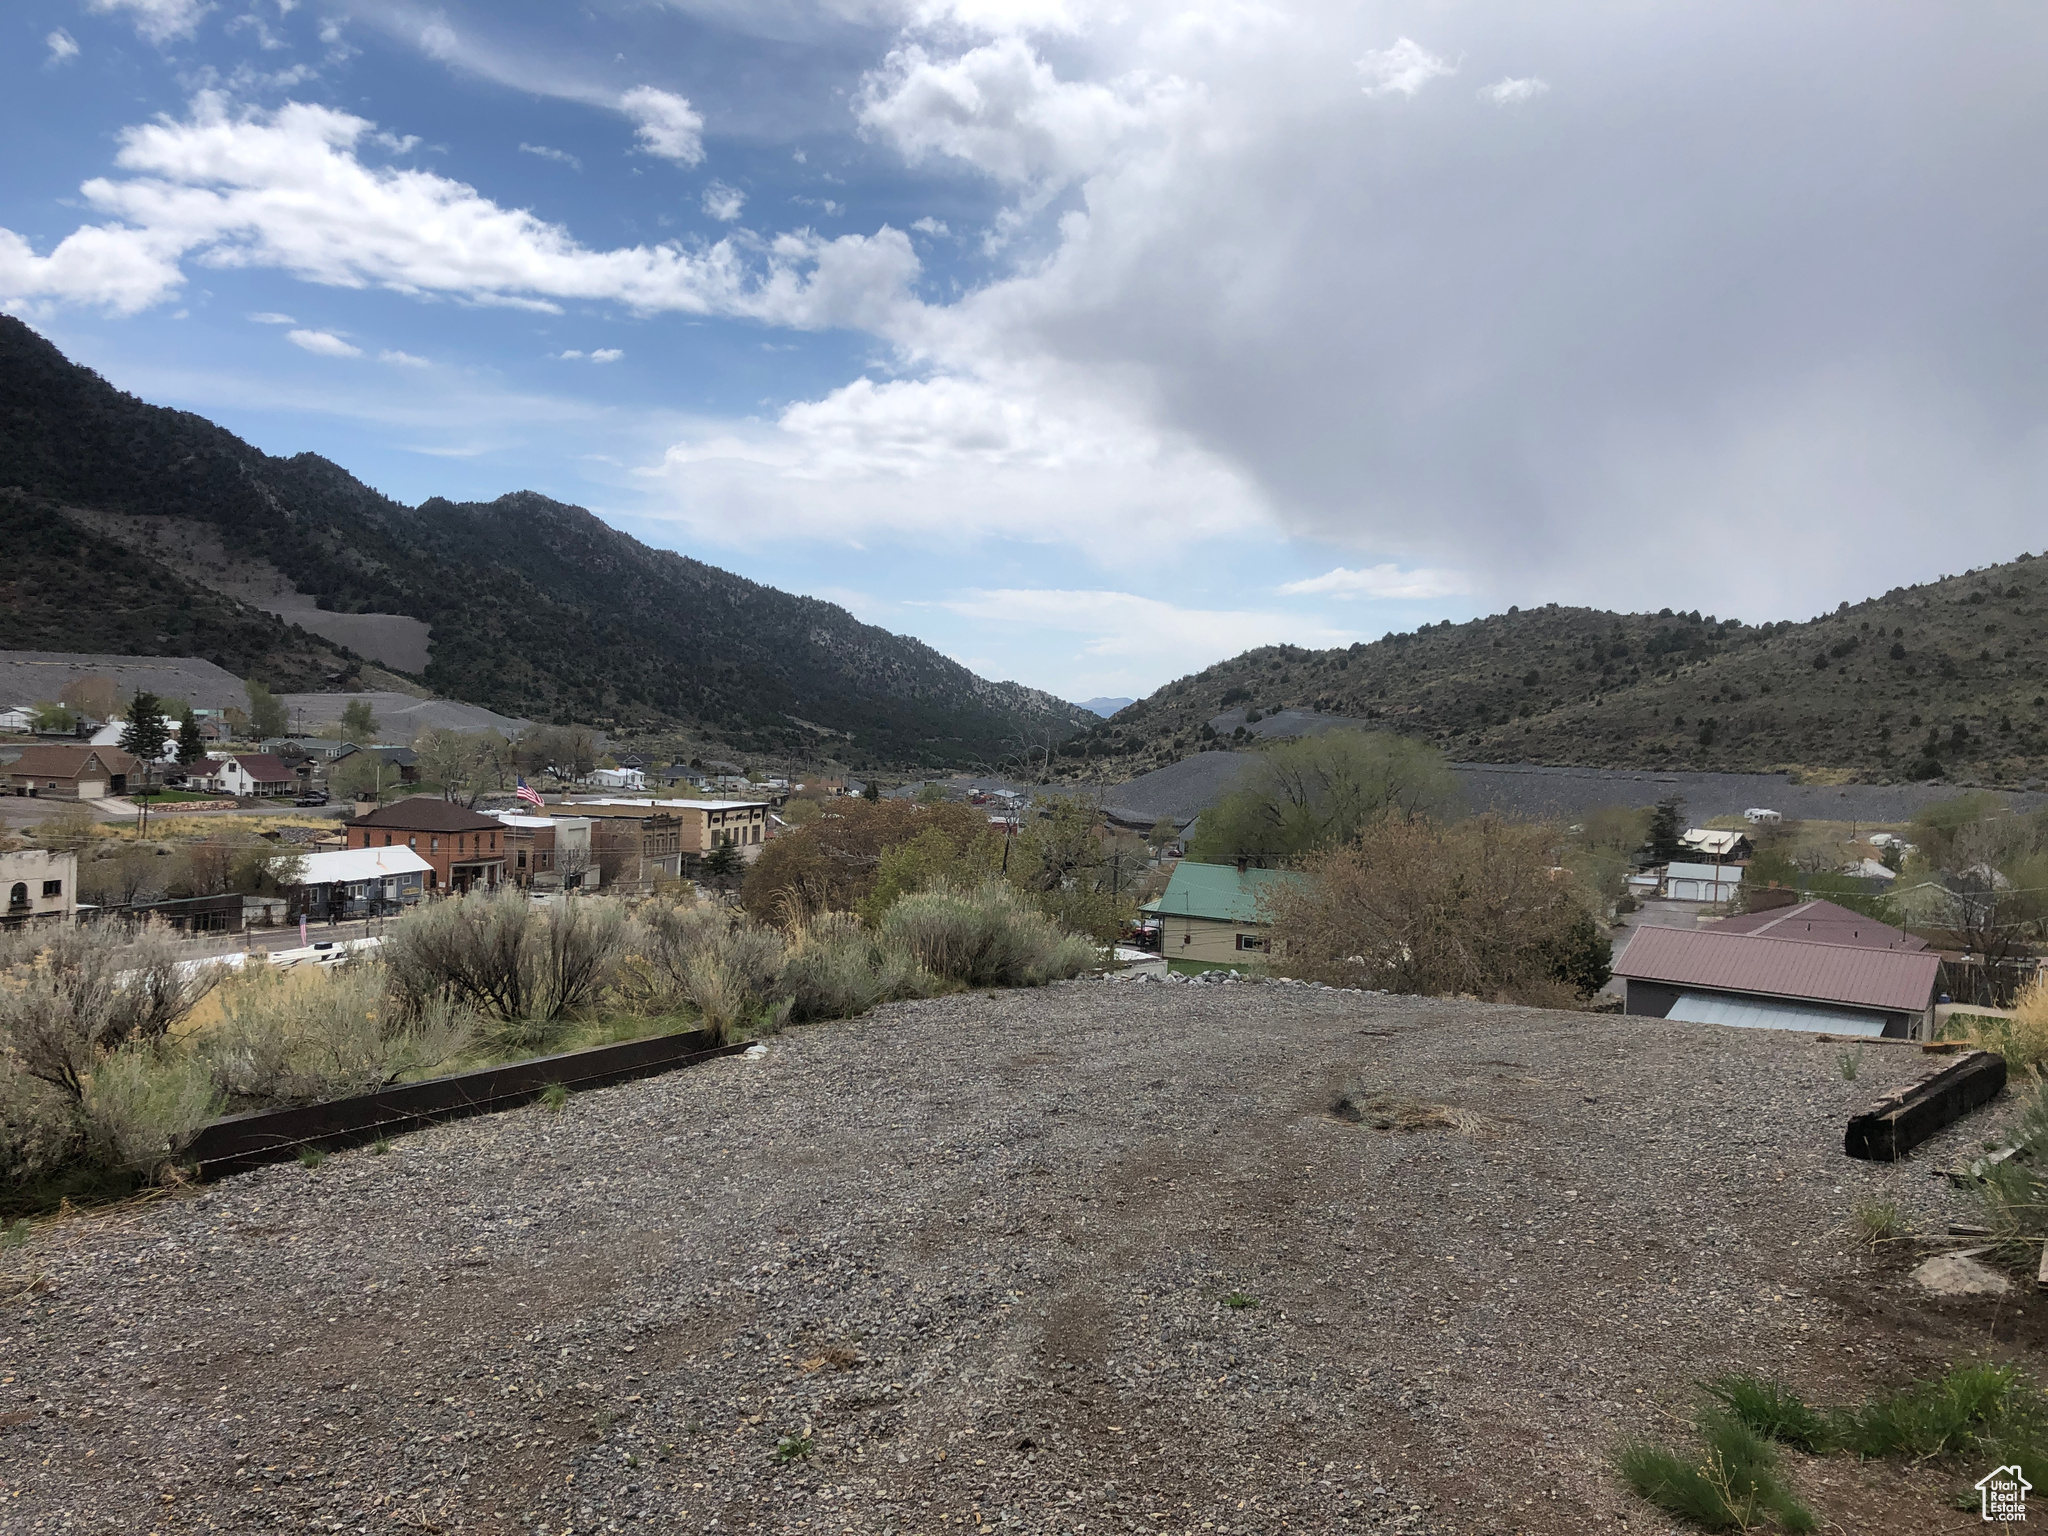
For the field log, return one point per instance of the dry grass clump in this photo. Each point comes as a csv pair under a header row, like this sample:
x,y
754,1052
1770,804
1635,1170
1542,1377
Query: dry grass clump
x,y
2021,1038
1389,1112
1476,908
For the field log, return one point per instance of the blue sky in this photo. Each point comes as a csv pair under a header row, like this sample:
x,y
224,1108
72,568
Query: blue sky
x,y
1090,344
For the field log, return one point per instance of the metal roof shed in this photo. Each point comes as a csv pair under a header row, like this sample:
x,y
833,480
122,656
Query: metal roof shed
x,y
1892,988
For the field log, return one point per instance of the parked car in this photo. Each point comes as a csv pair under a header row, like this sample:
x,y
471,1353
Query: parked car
x,y
312,797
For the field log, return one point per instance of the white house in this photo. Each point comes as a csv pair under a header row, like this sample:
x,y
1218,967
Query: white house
x,y
38,886
109,735
618,778
242,773
1758,816
357,882
22,717
1713,843
1701,882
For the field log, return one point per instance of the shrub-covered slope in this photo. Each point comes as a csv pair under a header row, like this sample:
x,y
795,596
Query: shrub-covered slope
x,y
1943,679
538,609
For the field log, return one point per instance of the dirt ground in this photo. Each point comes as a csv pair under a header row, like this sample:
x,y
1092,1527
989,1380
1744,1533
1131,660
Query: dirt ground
x,y
1108,1257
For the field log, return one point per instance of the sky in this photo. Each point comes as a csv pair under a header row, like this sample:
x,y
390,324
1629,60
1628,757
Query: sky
x,y
1091,343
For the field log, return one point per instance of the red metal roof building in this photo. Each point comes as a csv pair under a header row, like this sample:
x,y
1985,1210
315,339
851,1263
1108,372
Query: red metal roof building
x,y
1712,976
1821,922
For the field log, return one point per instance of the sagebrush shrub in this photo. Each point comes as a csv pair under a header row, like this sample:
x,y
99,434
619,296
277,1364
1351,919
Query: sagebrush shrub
x,y
92,990
838,969
502,956
303,1037
990,935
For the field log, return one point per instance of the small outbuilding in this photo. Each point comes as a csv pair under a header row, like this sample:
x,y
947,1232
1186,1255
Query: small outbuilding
x,y
1756,981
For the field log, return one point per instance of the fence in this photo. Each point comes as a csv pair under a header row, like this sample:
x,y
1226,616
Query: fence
x,y
240,1142
1987,983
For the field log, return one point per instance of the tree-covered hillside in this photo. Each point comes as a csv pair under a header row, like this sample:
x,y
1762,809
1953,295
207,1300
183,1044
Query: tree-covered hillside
x,y
1948,679
537,608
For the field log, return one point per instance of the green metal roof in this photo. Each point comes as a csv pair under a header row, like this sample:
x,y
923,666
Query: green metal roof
x,y
1217,891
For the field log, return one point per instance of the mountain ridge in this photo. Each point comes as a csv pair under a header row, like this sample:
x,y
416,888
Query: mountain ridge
x,y
1947,679
536,607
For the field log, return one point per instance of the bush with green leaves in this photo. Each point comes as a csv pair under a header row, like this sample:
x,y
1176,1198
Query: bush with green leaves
x,y
503,957
89,991
988,935
711,958
303,1037
838,968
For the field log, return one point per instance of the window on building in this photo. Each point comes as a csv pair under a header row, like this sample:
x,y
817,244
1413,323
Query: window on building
x,y
53,887
387,839
18,897
1251,941
412,842
433,845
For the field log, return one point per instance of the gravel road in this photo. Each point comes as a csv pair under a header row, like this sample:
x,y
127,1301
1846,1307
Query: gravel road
x,y
1100,1258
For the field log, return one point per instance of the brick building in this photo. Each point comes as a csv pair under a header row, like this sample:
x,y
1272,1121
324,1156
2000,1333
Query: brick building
x,y
466,850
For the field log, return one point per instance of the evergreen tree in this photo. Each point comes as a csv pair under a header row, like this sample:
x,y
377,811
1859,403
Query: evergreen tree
x,y
191,745
1667,823
147,732
723,867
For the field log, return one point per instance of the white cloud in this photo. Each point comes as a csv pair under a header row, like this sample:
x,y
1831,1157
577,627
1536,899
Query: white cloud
x,y
1001,109
403,360
1131,640
1510,92
272,317
953,459
158,21
722,202
63,47
286,189
1402,69
931,226
559,156
667,124
1384,581
324,343
607,355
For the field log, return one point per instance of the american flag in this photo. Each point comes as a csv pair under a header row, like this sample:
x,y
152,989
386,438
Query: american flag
x,y
529,795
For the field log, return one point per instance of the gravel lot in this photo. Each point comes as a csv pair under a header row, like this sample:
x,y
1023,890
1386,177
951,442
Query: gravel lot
x,y
966,1262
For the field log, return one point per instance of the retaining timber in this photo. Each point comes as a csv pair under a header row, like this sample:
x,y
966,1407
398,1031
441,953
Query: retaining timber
x,y
1900,1121
236,1143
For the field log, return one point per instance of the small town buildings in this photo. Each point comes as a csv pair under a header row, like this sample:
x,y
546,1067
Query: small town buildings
x,y
1702,882
1762,816
1215,912
1757,980
701,825
465,849
359,882
50,771
251,775
1714,845
549,853
402,764
632,842
39,886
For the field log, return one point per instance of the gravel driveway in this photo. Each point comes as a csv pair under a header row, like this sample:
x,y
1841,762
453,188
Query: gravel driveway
x,y
1099,1258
